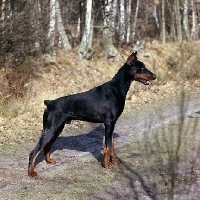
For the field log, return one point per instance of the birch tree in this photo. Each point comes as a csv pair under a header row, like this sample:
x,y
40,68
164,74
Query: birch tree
x,y
172,32
128,21
86,39
185,20
63,39
2,11
56,23
122,21
108,30
135,19
163,22
178,20
155,14
194,22
52,24
78,32
114,13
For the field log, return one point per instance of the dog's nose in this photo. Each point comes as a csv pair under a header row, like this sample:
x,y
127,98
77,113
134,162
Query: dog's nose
x,y
154,76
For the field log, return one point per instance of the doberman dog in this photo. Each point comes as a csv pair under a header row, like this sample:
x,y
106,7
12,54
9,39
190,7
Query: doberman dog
x,y
102,104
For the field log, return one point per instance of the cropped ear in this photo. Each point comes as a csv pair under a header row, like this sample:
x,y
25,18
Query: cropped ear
x,y
131,58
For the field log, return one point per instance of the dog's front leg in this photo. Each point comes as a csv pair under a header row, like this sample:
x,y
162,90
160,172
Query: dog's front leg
x,y
113,159
108,150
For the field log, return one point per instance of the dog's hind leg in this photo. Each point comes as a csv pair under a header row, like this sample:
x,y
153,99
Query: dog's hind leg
x,y
44,139
47,138
32,157
48,146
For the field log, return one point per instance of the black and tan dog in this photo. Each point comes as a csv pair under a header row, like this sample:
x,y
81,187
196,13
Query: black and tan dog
x,y
102,104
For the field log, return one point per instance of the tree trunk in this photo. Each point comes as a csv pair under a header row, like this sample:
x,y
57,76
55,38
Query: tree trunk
x,y
155,16
163,22
81,20
78,33
185,20
111,51
128,21
135,19
172,32
52,24
3,12
178,20
55,26
173,29
62,34
114,14
194,22
122,21
84,45
91,35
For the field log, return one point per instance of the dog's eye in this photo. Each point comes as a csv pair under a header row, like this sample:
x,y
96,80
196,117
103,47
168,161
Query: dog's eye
x,y
142,69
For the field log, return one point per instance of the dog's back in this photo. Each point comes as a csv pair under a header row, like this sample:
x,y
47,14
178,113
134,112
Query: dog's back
x,y
93,105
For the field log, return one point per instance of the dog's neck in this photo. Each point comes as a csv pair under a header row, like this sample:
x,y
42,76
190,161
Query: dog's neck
x,y
122,81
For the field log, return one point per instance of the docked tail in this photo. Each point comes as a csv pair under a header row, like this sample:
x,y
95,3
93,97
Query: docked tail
x,y
47,102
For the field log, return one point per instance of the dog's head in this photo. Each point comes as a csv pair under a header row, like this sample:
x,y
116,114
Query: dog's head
x,y
138,71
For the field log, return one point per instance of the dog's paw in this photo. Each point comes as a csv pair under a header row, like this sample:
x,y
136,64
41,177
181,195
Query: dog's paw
x,y
108,165
115,161
32,174
51,161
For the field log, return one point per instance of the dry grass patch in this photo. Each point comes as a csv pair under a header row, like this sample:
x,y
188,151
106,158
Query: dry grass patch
x,y
176,61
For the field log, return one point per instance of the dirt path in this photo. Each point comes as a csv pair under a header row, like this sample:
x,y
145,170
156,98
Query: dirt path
x,y
78,173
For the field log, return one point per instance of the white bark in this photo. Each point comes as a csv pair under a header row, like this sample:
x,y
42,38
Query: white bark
x,y
122,21
84,45
128,21
135,19
194,22
56,24
163,22
111,51
91,35
114,13
52,24
172,32
155,15
78,33
178,20
3,11
185,20
86,34
63,36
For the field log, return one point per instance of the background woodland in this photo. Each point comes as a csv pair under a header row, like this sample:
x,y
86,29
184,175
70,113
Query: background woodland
x,y
36,27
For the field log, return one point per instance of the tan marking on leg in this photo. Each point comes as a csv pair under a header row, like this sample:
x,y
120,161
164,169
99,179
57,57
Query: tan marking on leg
x,y
31,171
107,153
48,159
47,151
113,159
